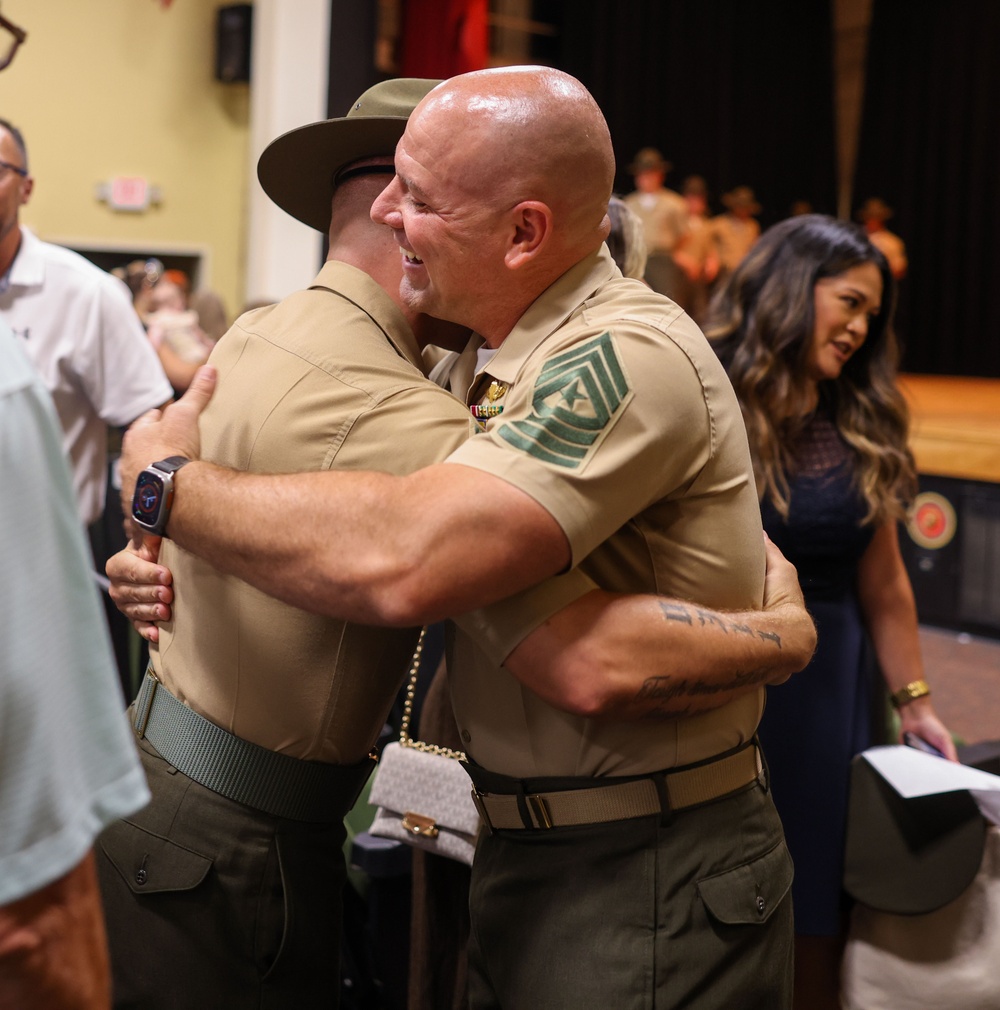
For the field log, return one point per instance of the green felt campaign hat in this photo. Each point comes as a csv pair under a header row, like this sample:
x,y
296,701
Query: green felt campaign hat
x,y
299,169
909,856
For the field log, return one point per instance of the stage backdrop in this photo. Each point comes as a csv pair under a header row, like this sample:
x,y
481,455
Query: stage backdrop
x,y
738,92
930,148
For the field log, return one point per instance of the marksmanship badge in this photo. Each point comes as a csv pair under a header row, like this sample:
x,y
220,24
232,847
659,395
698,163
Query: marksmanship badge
x,y
576,397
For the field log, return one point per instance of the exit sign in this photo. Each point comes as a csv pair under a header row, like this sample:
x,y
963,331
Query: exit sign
x,y
129,192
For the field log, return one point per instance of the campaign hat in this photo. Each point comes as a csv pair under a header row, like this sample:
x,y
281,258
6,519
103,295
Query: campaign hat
x,y
875,208
742,196
299,169
649,159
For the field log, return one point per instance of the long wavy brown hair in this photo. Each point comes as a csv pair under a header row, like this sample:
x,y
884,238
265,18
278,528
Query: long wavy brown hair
x,y
762,324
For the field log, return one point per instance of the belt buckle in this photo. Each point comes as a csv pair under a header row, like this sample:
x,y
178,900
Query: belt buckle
x,y
142,717
477,799
540,809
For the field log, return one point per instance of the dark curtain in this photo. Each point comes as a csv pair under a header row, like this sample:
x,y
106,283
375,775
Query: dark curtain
x,y
930,147
736,91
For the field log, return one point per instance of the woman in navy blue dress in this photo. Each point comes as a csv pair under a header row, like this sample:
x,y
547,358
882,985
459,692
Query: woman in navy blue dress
x,y
804,328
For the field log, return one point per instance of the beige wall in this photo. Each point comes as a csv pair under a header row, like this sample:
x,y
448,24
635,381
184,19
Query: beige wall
x,y
103,88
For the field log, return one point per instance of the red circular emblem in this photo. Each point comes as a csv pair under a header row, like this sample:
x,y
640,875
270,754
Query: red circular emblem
x,y
932,523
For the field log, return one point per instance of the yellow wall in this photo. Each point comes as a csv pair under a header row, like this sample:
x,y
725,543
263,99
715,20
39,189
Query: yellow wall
x,y
104,88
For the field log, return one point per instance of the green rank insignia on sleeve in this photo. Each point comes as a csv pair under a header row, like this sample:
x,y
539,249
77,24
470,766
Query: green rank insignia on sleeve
x,y
576,396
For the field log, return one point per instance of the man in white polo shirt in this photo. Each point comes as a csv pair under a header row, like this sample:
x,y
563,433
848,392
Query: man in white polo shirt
x,y
77,324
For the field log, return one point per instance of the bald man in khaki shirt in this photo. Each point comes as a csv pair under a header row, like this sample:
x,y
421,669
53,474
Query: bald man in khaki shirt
x,y
606,879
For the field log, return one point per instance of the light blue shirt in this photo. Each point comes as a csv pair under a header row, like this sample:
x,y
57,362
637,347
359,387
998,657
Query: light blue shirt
x,y
68,763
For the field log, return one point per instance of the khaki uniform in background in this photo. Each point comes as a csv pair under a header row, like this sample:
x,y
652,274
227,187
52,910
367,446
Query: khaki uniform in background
x,y
329,378
620,421
733,238
664,218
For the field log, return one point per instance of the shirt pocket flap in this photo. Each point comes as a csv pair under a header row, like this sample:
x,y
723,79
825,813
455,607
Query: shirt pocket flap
x,y
751,892
150,863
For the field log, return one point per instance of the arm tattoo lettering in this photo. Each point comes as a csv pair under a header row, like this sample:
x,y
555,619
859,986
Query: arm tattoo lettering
x,y
707,618
667,688
676,612
664,697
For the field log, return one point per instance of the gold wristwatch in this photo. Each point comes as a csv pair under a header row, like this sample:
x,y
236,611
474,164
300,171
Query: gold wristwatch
x,y
915,689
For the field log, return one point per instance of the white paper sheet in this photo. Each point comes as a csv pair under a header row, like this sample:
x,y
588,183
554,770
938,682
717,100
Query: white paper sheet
x,y
912,773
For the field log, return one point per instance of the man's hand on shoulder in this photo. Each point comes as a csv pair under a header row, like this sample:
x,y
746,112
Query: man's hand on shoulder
x,y
172,431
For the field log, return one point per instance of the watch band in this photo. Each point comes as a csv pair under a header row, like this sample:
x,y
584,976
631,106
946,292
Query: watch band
x,y
915,689
171,464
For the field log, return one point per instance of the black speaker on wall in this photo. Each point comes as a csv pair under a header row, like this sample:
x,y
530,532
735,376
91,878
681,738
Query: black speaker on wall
x,y
232,42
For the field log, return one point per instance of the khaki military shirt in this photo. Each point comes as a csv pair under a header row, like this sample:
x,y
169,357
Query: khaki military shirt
x,y
733,238
664,217
620,421
330,378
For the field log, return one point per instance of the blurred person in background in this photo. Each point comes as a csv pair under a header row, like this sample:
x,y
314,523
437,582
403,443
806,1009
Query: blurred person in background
x,y
174,329
625,241
696,255
873,214
78,327
663,214
734,232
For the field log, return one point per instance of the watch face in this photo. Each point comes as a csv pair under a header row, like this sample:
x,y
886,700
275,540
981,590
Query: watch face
x,y
147,499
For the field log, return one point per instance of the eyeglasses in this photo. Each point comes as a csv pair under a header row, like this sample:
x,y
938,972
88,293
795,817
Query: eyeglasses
x,y
5,165
19,35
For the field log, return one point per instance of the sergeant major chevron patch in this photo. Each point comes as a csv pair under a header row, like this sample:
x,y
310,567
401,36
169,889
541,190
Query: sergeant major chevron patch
x,y
576,396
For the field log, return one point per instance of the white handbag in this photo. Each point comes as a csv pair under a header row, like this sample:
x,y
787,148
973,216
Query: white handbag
x,y
423,794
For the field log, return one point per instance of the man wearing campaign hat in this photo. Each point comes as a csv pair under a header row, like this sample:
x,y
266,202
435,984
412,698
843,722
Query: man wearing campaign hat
x,y
873,214
613,440
664,217
256,731
260,716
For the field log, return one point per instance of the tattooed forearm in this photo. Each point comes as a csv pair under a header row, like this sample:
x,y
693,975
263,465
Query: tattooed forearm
x,y
676,612
709,618
663,697
667,688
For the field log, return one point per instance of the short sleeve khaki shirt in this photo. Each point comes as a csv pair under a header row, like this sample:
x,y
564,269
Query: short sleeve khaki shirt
x,y
329,378
620,421
733,237
664,217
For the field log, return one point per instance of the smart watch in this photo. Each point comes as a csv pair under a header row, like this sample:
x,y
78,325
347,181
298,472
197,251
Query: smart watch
x,y
154,494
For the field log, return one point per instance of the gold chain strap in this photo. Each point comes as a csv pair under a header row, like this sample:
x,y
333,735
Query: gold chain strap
x,y
404,729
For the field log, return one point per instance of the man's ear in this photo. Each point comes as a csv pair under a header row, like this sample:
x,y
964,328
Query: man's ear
x,y
27,185
532,222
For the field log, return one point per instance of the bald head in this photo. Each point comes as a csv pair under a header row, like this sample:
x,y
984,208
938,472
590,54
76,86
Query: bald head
x,y
502,184
528,133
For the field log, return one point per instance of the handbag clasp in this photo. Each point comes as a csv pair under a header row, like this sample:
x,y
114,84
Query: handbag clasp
x,y
420,824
